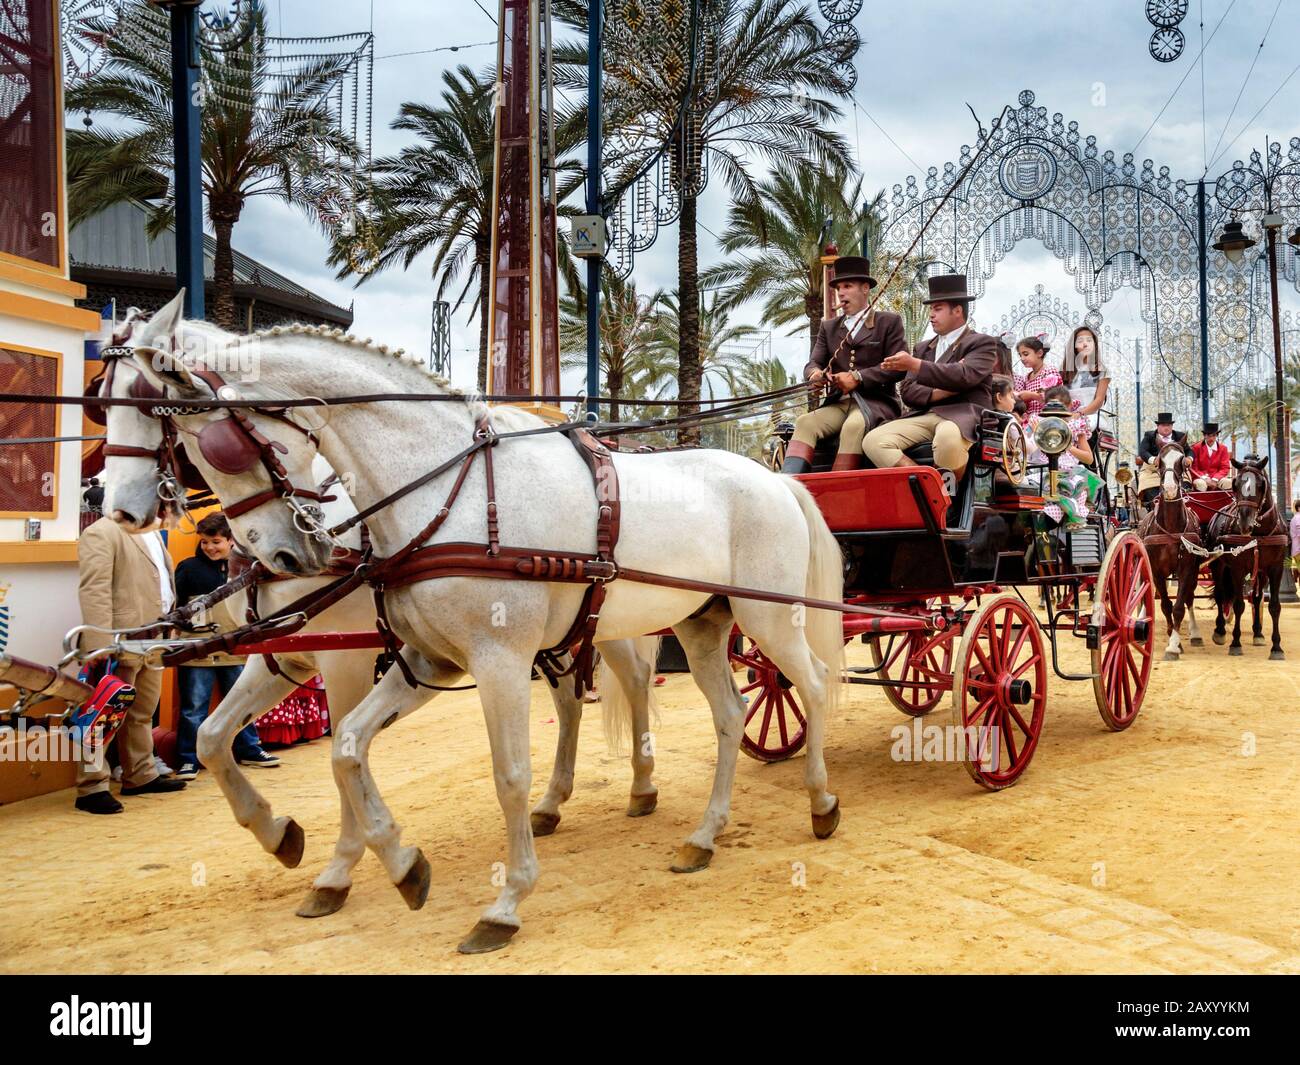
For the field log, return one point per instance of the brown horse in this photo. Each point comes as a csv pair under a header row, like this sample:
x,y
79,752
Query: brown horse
x,y
1171,534
1255,544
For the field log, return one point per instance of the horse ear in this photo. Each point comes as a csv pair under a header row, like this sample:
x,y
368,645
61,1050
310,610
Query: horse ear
x,y
166,372
1235,463
163,329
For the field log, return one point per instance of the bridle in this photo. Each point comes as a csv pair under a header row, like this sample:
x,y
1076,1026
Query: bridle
x,y
231,445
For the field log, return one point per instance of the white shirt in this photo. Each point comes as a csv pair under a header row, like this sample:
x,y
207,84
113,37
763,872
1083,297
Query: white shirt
x,y
948,339
158,553
854,324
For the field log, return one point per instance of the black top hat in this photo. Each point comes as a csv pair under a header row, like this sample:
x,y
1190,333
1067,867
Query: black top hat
x,y
1164,418
852,268
948,288
1210,427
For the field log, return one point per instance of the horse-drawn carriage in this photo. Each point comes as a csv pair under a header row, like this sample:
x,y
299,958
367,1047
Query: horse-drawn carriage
x,y
932,579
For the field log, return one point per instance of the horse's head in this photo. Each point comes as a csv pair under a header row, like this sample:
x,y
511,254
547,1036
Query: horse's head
x,y
1170,462
1251,492
257,464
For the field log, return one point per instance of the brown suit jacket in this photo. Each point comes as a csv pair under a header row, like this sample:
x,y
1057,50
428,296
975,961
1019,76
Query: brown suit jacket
x,y
880,336
118,582
967,369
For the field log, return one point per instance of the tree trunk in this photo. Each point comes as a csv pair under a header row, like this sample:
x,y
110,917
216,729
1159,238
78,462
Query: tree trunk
x,y
482,260
614,382
223,276
688,320
813,308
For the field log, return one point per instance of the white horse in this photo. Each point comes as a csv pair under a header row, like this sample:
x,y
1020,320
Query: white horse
x,y
703,516
348,674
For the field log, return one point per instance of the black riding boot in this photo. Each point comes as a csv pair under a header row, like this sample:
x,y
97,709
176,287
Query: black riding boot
x,y
798,458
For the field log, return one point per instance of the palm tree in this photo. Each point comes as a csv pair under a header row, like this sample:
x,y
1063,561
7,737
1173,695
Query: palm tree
x,y
437,194
784,227
769,375
720,363
769,68
631,360
262,133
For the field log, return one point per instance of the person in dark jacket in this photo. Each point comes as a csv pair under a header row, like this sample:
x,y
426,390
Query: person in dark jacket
x,y
195,577
1149,449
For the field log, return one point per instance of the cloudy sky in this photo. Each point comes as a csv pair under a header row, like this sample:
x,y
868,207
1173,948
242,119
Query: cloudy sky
x,y
920,63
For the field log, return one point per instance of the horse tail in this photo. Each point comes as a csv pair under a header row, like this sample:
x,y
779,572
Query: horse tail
x,y
615,706
823,629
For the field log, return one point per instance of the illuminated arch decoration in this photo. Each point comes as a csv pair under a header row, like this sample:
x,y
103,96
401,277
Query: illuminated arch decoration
x,y
1111,223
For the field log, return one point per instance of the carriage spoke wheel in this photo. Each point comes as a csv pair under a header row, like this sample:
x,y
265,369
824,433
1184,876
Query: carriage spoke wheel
x,y
922,664
999,692
1126,632
774,722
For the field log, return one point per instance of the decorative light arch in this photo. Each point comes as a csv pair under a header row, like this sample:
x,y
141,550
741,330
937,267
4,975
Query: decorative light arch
x,y
1112,224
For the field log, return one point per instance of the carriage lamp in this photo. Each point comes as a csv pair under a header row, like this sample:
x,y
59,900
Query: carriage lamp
x,y
1233,242
1053,433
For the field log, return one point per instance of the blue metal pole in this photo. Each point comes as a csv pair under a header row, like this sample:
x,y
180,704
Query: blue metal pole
x,y
1201,251
1137,348
187,114
595,18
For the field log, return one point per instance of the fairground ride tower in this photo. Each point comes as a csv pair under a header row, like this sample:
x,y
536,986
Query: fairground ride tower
x,y
523,319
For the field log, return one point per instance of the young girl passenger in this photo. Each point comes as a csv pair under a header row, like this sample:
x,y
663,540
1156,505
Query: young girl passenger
x,y
1032,385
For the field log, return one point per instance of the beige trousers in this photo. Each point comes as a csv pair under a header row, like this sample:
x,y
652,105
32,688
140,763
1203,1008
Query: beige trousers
x,y
885,444
1204,484
844,417
134,739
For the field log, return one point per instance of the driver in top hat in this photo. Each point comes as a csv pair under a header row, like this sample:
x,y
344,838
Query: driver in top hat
x,y
846,362
948,385
1211,466
1149,449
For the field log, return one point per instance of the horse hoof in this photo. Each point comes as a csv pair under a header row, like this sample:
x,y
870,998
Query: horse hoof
x,y
1171,656
1258,641
414,886
1276,656
323,901
1234,651
485,937
1196,641
289,852
691,859
543,822
640,805
824,825
1219,638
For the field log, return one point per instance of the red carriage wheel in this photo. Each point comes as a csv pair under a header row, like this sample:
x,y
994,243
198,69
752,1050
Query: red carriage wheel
x,y
999,692
921,661
774,722
1124,617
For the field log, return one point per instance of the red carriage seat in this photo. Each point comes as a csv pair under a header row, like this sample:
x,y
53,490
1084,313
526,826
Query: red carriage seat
x,y
1205,504
880,500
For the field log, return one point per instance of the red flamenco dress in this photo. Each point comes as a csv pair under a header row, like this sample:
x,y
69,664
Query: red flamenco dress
x,y
300,717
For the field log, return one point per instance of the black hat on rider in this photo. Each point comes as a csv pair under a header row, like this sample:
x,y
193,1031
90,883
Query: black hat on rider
x,y
852,268
948,288
1164,418
1210,427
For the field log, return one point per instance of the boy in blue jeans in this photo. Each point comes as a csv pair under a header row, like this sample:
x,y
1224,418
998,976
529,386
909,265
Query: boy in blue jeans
x,y
195,577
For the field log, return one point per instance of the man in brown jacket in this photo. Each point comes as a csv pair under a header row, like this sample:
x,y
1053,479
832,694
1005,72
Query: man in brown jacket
x,y
125,581
948,385
846,361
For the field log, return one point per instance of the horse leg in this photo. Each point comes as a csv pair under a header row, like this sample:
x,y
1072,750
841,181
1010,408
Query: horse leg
x,y
1193,630
391,699
705,640
568,711
1238,608
1222,597
632,663
255,692
1275,611
504,689
348,677
1257,610
794,649
1174,647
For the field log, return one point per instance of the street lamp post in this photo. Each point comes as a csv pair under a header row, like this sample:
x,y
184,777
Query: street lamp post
x,y
1265,174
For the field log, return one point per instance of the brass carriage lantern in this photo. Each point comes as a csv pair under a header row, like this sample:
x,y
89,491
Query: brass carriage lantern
x,y
1233,242
1053,437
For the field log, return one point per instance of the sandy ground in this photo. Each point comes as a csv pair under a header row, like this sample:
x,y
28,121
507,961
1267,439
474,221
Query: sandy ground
x,y
1167,848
